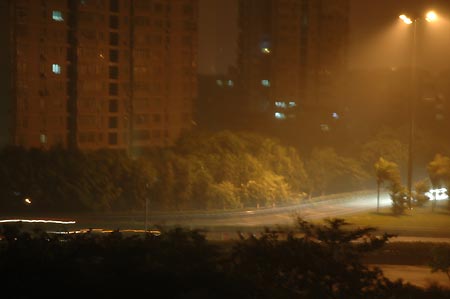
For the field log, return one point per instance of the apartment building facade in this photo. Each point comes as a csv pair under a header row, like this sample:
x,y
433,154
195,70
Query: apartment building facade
x,y
91,74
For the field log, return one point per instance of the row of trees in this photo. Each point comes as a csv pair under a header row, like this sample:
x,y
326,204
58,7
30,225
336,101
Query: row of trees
x,y
307,261
216,171
223,170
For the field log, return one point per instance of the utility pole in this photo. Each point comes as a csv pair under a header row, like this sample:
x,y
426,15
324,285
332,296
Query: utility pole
x,y
430,17
412,105
146,208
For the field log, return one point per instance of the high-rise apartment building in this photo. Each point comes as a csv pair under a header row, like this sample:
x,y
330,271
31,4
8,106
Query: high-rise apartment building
x,y
92,74
291,53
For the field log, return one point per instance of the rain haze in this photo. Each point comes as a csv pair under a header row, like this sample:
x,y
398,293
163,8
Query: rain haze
x,y
225,148
377,38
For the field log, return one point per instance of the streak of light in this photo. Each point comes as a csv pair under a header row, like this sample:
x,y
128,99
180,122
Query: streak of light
x,y
104,231
37,221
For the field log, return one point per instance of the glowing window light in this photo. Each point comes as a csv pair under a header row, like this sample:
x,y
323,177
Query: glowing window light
x,y
265,83
27,201
57,16
265,50
292,104
56,68
335,115
230,83
43,138
324,127
280,104
437,194
279,115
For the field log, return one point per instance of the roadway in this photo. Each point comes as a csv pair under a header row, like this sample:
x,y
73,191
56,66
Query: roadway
x,y
254,220
328,207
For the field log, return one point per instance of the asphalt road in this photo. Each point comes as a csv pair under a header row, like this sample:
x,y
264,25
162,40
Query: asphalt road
x,y
226,224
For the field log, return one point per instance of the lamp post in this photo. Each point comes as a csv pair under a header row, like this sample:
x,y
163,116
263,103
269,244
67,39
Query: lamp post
x,y
146,208
431,16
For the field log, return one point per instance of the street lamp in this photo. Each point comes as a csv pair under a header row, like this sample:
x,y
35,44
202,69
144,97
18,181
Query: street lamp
x,y
431,16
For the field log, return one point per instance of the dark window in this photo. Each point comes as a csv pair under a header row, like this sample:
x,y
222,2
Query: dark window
x,y
114,22
113,89
141,135
113,38
113,72
114,5
113,106
69,88
158,7
112,138
69,37
113,122
157,118
156,134
113,55
188,10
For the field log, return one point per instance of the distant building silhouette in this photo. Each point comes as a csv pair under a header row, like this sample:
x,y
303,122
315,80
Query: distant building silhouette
x,y
292,54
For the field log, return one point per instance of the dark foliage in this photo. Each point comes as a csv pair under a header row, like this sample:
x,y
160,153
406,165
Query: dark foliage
x,y
310,261
220,171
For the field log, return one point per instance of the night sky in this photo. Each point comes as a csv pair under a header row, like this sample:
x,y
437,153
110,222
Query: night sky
x,y
376,38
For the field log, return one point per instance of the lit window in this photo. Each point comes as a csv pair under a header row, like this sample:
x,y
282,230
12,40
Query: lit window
x,y
265,50
279,115
57,16
43,138
219,82
230,83
280,104
265,83
265,47
292,104
335,115
56,68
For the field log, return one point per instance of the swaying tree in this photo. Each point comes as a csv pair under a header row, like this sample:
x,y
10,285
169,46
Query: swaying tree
x,y
439,171
222,196
386,171
384,144
325,166
421,187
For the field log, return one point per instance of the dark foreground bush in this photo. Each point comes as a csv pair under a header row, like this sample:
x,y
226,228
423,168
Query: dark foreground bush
x,y
308,262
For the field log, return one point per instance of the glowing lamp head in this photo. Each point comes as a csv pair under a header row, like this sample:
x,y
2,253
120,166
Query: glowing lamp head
x,y
431,16
406,19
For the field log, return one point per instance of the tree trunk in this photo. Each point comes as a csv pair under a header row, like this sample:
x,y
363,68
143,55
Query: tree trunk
x,y
378,197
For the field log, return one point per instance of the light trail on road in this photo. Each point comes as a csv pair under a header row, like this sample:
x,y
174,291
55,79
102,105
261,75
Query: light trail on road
x,y
338,206
36,221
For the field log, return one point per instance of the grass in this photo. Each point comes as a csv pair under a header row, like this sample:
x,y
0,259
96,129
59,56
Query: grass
x,y
420,221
